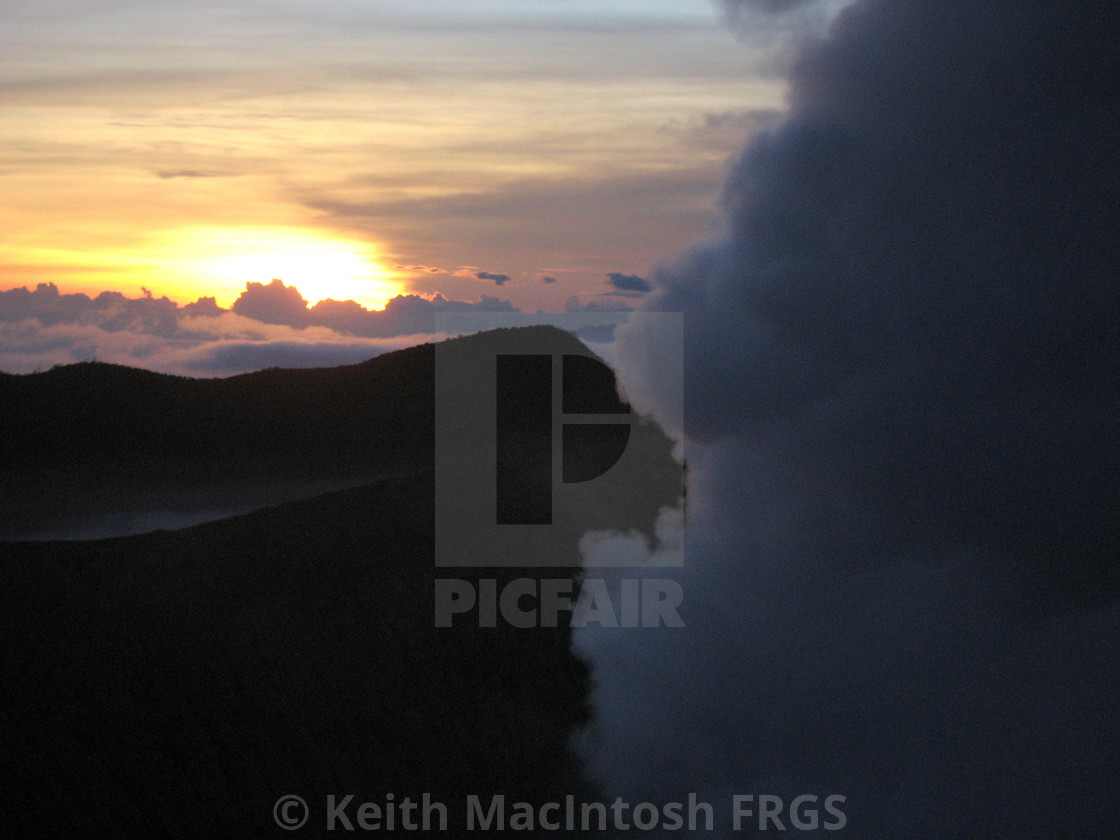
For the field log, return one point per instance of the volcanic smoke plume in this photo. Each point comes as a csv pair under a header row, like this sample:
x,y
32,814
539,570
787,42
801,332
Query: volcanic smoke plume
x,y
902,413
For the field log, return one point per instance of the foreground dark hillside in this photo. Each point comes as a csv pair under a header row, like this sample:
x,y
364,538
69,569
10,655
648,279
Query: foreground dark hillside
x,y
177,684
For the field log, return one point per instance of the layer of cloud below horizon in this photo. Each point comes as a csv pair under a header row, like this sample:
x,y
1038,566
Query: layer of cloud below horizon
x,y
269,325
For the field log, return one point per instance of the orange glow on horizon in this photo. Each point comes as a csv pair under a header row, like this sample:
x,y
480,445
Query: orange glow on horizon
x,y
222,260
189,263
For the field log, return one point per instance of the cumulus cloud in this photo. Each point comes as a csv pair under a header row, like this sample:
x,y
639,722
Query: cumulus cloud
x,y
902,367
206,306
274,303
46,304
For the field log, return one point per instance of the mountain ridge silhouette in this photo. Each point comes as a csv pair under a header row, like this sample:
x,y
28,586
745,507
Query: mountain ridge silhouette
x,y
87,440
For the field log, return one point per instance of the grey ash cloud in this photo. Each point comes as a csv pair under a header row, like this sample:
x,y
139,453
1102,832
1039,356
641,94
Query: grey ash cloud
x,y
902,375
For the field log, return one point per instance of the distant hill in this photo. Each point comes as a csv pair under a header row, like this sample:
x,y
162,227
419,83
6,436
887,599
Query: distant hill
x,y
87,440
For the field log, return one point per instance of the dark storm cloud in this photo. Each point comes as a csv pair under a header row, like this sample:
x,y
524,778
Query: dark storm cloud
x,y
902,404
499,279
630,283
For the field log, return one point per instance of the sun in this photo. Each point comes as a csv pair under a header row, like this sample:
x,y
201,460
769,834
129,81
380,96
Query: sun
x,y
222,260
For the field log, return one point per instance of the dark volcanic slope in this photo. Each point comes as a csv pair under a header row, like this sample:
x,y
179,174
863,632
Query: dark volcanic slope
x,y
177,684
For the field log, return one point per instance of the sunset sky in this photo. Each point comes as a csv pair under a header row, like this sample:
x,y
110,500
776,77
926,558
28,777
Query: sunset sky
x,y
358,149
892,231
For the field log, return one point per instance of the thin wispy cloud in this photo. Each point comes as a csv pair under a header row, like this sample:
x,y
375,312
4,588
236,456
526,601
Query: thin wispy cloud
x,y
367,121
